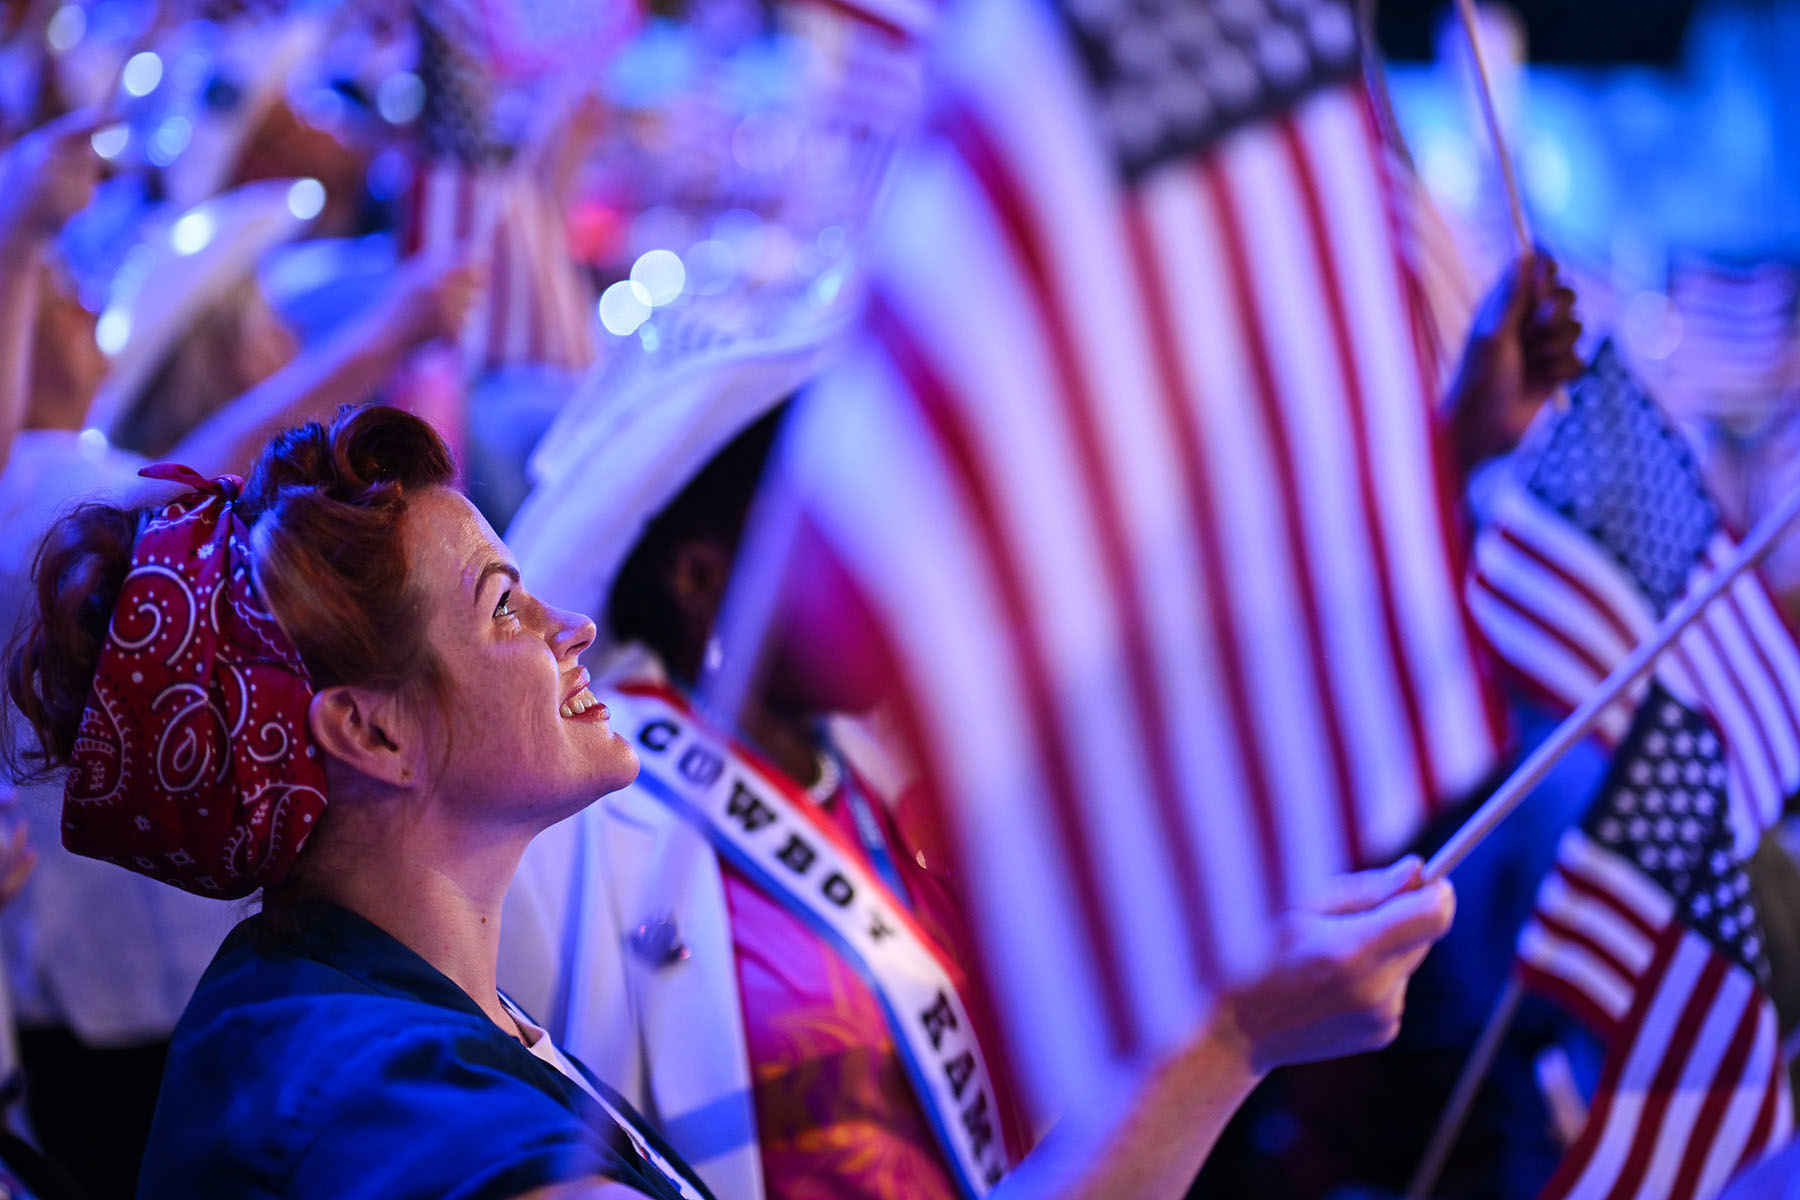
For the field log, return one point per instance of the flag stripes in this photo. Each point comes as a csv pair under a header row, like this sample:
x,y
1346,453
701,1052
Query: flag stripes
x,y
1647,931
1053,746
472,195
1594,932
1740,335
1182,431
536,308
1559,610
1446,291
1696,1091
1096,480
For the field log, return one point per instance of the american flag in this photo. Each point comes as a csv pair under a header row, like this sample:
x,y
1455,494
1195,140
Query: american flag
x,y
1447,289
469,191
1739,353
1134,468
866,96
1646,930
1592,532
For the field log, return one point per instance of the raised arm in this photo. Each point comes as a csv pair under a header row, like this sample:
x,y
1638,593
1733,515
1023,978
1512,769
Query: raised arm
x,y
1335,986
46,177
427,301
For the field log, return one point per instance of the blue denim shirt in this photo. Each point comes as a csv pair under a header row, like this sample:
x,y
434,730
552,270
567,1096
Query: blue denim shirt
x,y
331,1061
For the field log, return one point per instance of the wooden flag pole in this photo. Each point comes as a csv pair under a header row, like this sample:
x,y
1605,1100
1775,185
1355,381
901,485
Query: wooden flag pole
x,y
1579,723
1515,201
1462,1097
1484,91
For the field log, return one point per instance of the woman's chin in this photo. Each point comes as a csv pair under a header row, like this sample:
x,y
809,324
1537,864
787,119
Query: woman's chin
x,y
618,768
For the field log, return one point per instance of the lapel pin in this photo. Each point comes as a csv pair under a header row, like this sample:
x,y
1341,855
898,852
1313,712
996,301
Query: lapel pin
x,y
658,943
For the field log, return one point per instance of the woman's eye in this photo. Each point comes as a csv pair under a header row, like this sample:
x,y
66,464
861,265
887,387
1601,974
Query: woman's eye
x,y
505,608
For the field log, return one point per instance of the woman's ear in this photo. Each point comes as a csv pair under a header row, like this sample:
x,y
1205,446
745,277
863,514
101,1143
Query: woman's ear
x,y
369,731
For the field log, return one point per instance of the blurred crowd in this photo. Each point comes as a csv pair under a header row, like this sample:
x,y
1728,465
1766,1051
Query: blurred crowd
x,y
223,218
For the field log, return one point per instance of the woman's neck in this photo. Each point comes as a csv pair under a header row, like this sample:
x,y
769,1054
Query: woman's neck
x,y
437,891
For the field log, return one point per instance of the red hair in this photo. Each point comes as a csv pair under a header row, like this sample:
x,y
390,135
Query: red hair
x,y
325,505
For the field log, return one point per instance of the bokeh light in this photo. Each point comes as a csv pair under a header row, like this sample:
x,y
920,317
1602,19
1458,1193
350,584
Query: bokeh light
x,y
143,71
623,307
192,233
661,275
306,199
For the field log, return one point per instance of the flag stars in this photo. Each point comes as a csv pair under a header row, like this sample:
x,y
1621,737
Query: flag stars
x,y
1172,77
1674,832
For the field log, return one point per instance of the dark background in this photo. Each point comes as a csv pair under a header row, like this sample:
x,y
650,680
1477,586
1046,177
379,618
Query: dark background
x,y
1562,31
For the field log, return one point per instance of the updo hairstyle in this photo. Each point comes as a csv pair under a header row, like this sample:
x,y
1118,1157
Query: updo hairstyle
x,y
325,506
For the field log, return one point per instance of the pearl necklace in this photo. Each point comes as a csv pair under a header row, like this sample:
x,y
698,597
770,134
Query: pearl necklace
x,y
830,779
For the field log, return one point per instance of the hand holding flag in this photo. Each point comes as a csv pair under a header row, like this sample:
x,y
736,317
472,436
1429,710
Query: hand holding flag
x,y
1520,350
1338,983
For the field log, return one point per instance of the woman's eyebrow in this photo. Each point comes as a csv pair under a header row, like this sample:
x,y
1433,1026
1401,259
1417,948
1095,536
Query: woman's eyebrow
x,y
495,568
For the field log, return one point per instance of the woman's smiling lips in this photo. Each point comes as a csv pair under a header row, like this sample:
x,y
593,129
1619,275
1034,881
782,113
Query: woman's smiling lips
x,y
581,700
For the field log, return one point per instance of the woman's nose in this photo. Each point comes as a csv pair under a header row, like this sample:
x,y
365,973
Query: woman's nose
x,y
571,632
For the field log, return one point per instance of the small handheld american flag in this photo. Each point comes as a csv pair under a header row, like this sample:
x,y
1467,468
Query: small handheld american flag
x,y
1646,930
1593,532
470,192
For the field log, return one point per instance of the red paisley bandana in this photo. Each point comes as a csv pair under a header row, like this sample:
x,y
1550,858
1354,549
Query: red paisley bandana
x,y
194,764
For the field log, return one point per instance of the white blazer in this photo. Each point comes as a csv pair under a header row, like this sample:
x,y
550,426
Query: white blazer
x,y
615,936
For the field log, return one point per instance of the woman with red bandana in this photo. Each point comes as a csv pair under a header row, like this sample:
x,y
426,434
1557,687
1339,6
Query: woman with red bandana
x,y
331,684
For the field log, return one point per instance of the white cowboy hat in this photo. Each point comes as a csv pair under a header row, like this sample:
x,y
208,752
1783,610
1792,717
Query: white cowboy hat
x,y
617,457
186,266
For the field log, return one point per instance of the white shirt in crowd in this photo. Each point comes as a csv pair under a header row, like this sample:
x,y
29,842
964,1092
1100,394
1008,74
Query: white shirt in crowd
x,y
111,955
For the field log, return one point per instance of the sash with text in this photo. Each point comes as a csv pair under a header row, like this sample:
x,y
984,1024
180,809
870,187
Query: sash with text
x,y
773,833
